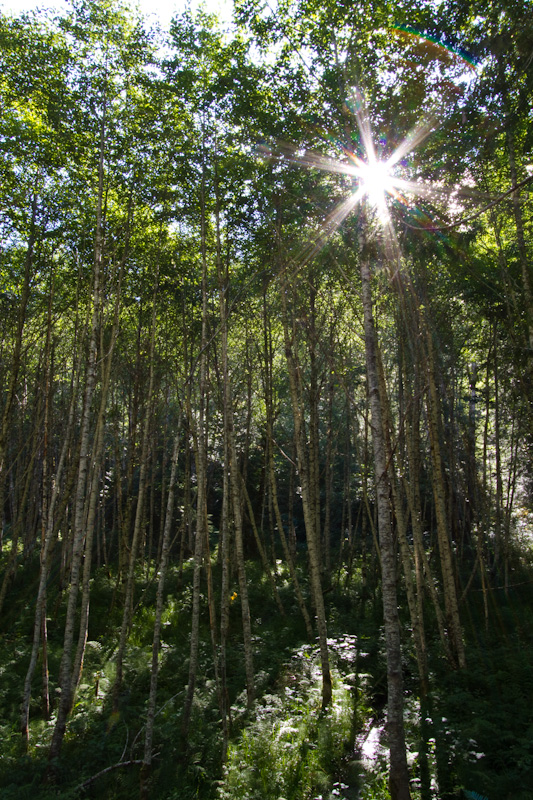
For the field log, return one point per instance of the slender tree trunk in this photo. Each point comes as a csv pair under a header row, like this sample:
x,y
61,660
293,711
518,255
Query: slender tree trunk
x,y
65,671
308,499
156,642
10,394
224,600
439,492
270,479
417,621
48,542
346,523
94,487
259,544
328,487
398,775
284,544
127,613
201,524
313,450
293,543
520,237
45,494
234,472
498,547
412,487
198,428
509,494
97,457
22,524
65,679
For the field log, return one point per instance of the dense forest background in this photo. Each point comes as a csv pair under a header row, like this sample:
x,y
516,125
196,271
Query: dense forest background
x,y
266,451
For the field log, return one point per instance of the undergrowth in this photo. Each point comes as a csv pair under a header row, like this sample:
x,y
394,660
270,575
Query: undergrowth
x,y
291,747
474,734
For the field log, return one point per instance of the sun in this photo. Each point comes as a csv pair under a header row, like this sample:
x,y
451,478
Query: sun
x,y
376,181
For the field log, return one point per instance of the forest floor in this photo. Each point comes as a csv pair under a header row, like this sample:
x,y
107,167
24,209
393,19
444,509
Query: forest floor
x,y
472,737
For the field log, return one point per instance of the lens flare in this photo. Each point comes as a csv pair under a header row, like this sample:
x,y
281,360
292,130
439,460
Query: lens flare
x,y
375,181
436,47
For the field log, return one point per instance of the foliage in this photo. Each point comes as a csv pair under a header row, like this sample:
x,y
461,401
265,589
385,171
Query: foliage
x,y
170,229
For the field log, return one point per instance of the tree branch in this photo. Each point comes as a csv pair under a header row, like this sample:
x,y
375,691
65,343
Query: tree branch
x,y
88,782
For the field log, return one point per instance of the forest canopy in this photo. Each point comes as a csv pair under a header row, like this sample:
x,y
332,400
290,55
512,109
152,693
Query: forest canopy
x,y
266,364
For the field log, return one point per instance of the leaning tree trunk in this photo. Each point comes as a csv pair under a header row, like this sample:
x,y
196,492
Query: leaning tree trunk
x,y
65,675
46,548
97,456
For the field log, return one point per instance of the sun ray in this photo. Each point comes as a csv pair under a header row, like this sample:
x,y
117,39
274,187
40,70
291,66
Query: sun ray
x,y
309,158
426,190
414,138
390,239
333,221
363,123
376,180
433,191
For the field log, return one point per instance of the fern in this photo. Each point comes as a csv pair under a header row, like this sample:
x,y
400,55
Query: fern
x,y
474,795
